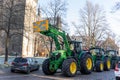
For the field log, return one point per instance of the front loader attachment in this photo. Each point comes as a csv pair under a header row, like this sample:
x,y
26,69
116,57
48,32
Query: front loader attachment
x,y
40,26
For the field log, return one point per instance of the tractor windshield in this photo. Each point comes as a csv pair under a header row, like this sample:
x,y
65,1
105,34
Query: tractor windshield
x,y
112,53
94,50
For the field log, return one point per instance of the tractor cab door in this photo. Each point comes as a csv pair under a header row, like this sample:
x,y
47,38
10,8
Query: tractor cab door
x,y
77,47
102,52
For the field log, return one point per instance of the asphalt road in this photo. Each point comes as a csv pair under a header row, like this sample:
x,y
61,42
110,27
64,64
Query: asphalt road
x,y
5,74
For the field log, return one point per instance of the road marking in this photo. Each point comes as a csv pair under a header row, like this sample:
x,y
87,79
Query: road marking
x,y
14,76
49,77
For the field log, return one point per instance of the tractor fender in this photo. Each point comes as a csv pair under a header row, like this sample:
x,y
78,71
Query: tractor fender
x,y
73,57
89,53
83,54
105,57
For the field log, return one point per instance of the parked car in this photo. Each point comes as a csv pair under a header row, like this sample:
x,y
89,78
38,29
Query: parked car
x,y
24,64
117,71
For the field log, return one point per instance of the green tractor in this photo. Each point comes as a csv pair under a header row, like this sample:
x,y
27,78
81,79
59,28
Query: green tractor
x,y
113,55
101,62
68,57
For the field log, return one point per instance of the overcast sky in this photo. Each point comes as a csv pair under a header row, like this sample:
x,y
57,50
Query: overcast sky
x,y
112,18
75,5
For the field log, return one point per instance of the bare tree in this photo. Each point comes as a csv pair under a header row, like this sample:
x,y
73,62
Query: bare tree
x,y
93,24
109,43
55,11
12,21
116,7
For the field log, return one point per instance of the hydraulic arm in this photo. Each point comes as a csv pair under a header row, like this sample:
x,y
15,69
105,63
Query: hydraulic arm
x,y
46,29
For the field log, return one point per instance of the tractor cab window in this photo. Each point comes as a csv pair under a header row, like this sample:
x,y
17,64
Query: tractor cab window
x,y
111,53
95,50
77,47
102,52
71,47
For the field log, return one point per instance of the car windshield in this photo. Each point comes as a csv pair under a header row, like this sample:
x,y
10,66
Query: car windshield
x,y
20,60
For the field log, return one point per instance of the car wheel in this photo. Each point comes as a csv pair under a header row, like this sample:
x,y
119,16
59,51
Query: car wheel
x,y
117,78
28,71
37,67
12,70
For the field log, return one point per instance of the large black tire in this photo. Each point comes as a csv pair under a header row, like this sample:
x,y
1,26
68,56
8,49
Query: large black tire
x,y
37,68
99,66
28,71
84,62
45,68
117,78
107,64
113,64
69,67
12,70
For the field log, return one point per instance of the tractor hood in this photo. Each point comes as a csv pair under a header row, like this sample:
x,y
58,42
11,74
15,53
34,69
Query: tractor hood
x,y
55,55
58,52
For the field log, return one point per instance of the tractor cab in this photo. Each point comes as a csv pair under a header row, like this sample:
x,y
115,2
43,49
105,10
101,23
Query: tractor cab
x,y
101,61
112,53
75,46
97,51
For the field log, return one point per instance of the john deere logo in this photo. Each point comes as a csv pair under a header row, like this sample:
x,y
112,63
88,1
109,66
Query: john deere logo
x,y
40,26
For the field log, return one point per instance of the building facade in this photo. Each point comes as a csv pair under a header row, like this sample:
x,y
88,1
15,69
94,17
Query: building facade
x,y
16,20
29,18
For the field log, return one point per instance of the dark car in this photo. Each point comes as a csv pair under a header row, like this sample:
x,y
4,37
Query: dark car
x,y
24,64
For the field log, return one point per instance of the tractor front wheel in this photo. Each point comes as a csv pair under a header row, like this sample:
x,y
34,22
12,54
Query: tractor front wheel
x,y
69,67
107,64
46,69
99,66
113,64
86,64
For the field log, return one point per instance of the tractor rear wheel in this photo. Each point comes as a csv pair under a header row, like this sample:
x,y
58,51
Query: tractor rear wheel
x,y
107,64
113,64
99,66
45,68
69,67
86,64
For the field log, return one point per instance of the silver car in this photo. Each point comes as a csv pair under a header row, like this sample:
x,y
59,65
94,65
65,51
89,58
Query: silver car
x,y
24,64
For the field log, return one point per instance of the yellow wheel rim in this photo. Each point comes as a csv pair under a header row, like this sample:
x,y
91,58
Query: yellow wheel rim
x,y
89,63
101,66
73,67
108,64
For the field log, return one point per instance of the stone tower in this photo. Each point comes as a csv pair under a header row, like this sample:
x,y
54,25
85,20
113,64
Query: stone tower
x,y
29,18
